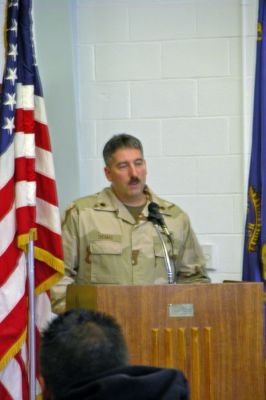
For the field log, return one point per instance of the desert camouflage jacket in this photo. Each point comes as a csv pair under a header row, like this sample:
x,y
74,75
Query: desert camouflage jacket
x,y
104,244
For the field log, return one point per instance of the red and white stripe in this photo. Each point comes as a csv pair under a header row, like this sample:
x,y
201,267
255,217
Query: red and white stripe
x,y
28,202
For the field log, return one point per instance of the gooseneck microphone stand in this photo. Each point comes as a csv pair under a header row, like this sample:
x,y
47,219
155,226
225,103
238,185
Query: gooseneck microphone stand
x,y
157,220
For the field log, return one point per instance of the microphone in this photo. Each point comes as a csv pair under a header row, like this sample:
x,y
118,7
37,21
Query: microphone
x,y
156,217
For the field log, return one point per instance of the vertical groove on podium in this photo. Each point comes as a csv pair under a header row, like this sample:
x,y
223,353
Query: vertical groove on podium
x,y
195,389
208,363
181,350
168,347
155,346
180,355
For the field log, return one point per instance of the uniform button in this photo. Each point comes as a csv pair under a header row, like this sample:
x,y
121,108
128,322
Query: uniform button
x,y
133,262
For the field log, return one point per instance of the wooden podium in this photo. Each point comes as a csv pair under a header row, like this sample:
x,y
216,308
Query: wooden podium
x,y
213,332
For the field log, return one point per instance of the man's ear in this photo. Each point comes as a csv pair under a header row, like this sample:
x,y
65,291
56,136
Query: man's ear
x,y
107,172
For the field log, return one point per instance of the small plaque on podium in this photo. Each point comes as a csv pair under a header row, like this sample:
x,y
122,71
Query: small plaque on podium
x,y
180,310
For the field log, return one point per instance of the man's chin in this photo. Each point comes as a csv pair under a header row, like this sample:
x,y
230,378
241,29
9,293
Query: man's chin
x,y
135,193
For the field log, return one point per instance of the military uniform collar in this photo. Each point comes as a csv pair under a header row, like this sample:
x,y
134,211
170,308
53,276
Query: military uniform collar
x,y
164,206
107,201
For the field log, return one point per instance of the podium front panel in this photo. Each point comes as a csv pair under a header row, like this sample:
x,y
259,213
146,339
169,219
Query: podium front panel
x,y
213,332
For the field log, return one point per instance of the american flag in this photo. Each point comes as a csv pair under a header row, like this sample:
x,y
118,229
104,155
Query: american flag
x,y
28,204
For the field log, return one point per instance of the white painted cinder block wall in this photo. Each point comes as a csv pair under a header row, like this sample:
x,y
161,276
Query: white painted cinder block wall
x,y
172,73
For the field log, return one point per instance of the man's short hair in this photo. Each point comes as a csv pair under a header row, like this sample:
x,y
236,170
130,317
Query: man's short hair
x,y
80,344
120,141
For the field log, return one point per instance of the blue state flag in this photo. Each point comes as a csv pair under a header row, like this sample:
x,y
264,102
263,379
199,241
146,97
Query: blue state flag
x,y
254,261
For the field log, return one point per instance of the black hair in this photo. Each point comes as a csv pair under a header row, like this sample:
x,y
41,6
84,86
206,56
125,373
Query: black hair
x,y
79,345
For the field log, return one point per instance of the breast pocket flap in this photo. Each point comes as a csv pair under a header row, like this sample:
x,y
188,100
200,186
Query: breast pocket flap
x,y
105,247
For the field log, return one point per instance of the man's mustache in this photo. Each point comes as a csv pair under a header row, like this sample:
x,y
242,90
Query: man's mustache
x,y
134,180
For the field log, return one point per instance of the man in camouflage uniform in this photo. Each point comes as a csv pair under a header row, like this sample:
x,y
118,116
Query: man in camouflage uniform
x,y
108,239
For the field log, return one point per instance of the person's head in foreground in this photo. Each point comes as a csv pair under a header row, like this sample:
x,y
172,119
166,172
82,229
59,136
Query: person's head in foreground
x,y
83,355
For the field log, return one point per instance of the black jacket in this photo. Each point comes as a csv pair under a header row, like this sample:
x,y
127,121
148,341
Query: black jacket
x,y
132,383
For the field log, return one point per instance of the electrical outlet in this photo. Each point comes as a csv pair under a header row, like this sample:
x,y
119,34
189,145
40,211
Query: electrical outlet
x,y
209,251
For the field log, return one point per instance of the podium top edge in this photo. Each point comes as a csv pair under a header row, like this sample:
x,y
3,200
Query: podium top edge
x,y
198,284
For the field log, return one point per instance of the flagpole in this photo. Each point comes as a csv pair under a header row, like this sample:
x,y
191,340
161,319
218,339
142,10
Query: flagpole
x,y
31,327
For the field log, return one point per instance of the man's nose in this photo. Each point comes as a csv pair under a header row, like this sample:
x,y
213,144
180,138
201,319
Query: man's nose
x,y
132,170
